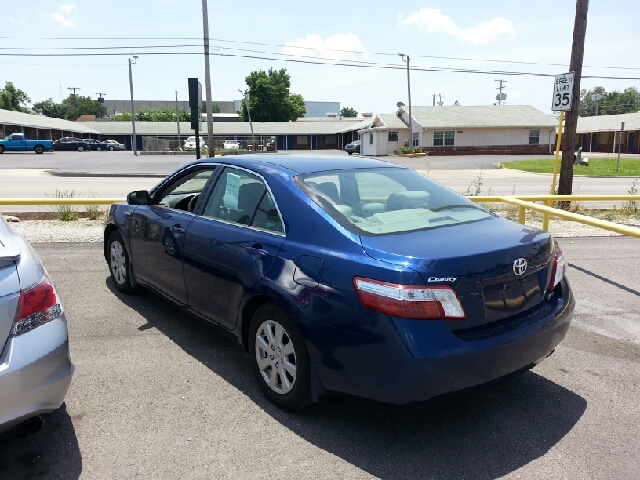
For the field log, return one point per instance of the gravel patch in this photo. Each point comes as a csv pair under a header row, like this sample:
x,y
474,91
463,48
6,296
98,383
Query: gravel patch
x,y
45,231
84,230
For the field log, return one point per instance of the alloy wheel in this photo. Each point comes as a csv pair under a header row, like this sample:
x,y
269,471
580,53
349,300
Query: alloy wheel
x,y
276,357
118,263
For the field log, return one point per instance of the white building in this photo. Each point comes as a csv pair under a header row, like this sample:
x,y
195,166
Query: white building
x,y
462,130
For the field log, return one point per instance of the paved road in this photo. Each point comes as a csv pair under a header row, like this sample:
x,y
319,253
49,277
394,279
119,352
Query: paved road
x,y
114,174
104,163
158,395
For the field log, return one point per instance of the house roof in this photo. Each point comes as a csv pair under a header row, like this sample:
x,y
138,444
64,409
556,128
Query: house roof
x,y
485,116
607,123
9,117
229,128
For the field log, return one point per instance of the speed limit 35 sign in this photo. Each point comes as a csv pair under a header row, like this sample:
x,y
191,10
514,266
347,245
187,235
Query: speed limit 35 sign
x,y
563,92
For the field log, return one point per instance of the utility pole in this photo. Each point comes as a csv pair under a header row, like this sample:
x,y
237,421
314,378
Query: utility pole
x,y
75,101
596,97
178,122
565,185
409,94
434,99
133,110
207,77
246,102
101,99
499,97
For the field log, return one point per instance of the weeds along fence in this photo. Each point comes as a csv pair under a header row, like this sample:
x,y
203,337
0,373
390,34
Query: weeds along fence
x,y
520,204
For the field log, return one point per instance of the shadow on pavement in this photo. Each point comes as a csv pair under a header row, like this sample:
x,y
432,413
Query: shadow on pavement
x,y
52,453
482,437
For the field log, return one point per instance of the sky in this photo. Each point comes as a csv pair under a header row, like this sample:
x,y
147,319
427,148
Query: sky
x,y
348,43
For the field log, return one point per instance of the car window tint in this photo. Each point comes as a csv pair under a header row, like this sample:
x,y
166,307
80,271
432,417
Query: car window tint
x,y
267,216
235,197
388,201
183,193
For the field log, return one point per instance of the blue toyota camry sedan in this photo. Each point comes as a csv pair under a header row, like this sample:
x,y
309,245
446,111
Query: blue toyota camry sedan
x,y
345,276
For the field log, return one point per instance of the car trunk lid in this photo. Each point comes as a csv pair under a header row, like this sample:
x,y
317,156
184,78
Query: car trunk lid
x,y
477,260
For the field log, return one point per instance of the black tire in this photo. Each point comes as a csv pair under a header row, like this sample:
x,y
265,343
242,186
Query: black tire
x,y
299,395
1,149
350,153
38,149
111,149
120,273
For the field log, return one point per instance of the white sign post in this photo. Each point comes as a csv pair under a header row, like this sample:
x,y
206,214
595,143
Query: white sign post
x,y
562,102
563,92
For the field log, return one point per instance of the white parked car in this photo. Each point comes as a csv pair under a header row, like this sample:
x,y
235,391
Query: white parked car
x,y
113,145
190,143
231,145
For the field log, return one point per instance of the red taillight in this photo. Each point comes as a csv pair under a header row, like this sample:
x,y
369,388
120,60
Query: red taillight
x,y
37,305
558,269
409,301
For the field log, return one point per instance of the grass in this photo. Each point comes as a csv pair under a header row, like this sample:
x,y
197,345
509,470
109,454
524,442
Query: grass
x,y
605,167
66,213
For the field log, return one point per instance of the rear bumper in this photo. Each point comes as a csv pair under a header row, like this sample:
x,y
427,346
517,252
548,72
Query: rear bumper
x,y
409,362
35,373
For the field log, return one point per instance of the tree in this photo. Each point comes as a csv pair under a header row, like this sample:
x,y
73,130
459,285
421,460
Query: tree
x,y
165,114
612,103
348,112
215,108
70,108
270,99
12,98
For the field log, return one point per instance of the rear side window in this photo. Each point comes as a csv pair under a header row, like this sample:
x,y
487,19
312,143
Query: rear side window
x,y
242,197
386,201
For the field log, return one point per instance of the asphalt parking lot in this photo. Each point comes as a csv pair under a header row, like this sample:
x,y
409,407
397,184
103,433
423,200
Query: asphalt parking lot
x,y
158,395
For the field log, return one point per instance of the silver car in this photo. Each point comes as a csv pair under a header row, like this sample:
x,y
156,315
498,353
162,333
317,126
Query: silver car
x,y
35,365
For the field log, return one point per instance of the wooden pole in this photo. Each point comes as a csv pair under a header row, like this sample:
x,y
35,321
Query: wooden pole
x,y
565,185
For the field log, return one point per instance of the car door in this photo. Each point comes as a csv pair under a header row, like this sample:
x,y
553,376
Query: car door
x,y
232,245
157,232
16,142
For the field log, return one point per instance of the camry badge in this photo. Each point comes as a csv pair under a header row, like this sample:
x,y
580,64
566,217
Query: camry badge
x,y
520,266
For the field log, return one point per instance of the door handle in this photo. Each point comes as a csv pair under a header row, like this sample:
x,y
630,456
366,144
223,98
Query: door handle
x,y
257,251
178,230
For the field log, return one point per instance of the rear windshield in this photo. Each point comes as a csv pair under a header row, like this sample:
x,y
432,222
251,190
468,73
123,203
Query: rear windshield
x,y
385,201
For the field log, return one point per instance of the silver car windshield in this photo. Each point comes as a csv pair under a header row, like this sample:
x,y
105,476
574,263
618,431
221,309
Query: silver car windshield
x,y
387,201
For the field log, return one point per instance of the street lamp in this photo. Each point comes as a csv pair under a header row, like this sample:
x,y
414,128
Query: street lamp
x,y
402,55
246,102
133,112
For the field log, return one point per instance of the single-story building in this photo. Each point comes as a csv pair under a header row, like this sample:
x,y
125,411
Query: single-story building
x,y
463,130
602,133
38,127
303,135
325,133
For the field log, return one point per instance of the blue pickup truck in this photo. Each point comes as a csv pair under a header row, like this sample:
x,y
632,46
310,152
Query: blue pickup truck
x,y
17,143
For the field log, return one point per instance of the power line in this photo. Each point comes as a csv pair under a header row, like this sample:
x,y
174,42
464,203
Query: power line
x,y
466,59
314,61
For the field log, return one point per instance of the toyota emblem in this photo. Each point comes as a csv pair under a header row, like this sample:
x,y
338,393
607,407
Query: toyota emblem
x,y
520,266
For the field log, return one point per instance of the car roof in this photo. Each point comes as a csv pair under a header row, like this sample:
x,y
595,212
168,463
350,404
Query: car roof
x,y
302,164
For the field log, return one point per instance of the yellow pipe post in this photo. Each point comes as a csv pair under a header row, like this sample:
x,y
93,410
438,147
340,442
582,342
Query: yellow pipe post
x,y
555,164
521,214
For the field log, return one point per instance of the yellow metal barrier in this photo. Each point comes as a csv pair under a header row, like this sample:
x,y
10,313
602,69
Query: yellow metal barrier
x,y
59,201
523,202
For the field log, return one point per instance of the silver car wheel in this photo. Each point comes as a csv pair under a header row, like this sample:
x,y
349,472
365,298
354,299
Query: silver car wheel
x,y
276,357
118,263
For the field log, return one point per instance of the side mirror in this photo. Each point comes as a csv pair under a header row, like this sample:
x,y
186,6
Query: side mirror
x,y
139,197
